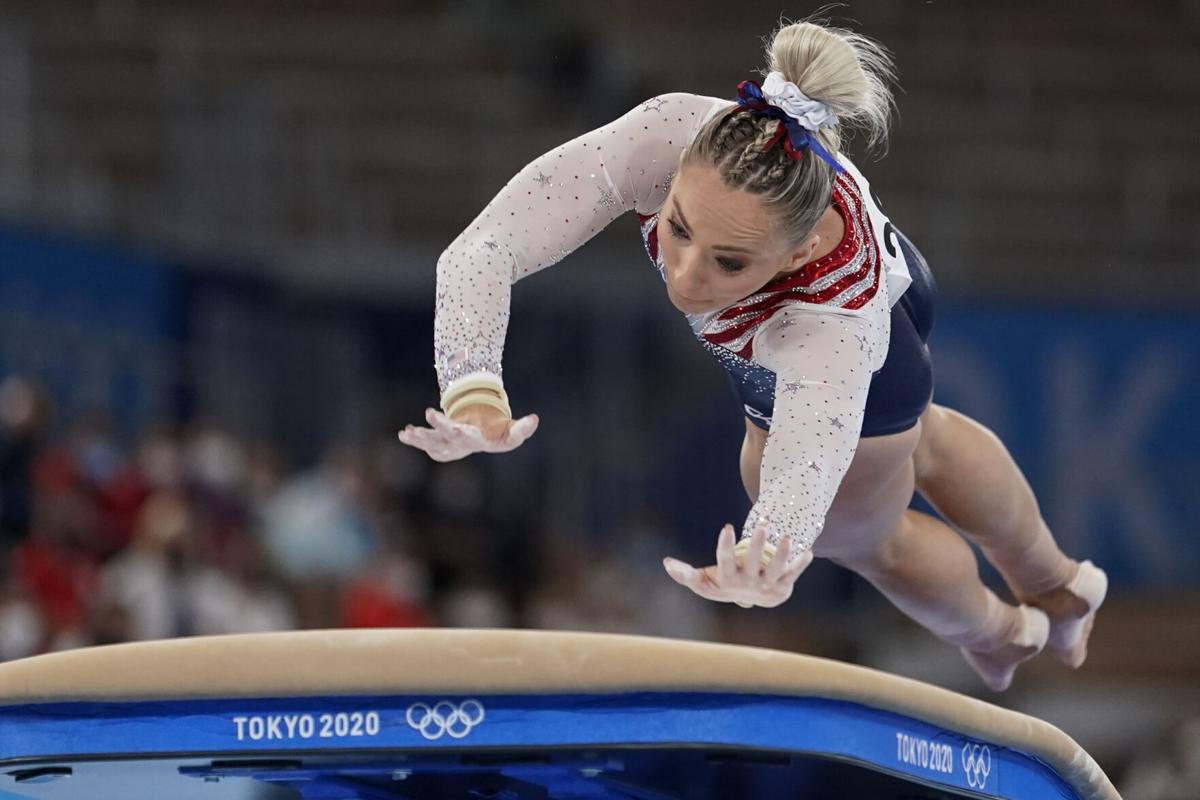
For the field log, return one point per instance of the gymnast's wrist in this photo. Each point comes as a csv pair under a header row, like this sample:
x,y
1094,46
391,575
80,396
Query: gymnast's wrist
x,y
479,405
480,389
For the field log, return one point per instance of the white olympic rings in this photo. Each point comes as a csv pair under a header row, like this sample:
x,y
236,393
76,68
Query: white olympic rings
x,y
977,764
444,718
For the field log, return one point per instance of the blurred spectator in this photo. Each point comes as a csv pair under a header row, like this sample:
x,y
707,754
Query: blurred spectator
x,y
627,589
620,590
22,632
24,421
148,579
214,468
316,525
111,623
160,459
476,602
264,475
87,477
216,461
392,592
239,596
55,564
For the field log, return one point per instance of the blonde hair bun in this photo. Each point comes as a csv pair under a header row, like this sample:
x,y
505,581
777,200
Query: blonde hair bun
x,y
844,70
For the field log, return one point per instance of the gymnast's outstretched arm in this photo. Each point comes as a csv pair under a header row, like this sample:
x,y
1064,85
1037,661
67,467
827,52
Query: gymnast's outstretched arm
x,y
550,208
823,363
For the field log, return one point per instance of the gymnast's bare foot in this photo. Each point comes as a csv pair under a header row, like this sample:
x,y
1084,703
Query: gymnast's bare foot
x,y
1072,612
997,666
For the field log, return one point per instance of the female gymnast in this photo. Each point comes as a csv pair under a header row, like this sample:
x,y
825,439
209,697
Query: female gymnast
x,y
771,242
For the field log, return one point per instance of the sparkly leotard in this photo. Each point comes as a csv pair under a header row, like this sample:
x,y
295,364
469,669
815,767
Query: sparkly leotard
x,y
813,340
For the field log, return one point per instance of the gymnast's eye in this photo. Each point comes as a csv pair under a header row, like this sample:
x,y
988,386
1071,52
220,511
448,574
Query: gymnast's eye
x,y
729,265
677,230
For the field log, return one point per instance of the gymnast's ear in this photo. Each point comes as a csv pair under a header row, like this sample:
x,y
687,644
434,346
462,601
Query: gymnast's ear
x,y
803,252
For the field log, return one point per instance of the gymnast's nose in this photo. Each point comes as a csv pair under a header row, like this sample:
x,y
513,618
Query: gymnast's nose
x,y
687,276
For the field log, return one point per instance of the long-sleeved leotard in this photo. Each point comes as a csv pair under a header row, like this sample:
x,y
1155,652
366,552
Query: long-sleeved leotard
x,y
812,340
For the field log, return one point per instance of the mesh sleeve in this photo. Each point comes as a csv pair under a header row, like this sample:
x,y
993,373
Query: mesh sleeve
x,y
551,207
823,363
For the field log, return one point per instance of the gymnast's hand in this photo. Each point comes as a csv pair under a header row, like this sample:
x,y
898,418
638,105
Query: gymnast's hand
x,y
760,578
475,429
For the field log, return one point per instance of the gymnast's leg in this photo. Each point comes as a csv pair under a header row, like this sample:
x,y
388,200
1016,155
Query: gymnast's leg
x,y
965,472
917,562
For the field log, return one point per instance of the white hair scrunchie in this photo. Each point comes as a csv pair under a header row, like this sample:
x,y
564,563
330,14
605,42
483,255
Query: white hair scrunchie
x,y
812,114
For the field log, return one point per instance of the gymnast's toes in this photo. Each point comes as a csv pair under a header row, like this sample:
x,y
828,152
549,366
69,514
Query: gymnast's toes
x,y
1072,611
997,667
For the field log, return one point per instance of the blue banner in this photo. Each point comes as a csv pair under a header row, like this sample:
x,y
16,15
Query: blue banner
x,y
883,740
97,324
1101,409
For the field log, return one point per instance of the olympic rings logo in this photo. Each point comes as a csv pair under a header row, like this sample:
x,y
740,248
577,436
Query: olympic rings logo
x,y
977,763
444,718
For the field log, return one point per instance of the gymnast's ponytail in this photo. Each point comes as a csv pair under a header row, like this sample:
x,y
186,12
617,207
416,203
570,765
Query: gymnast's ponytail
x,y
780,142
846,71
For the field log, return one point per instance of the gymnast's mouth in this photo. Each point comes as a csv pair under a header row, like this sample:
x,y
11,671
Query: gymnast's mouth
x,y
687,304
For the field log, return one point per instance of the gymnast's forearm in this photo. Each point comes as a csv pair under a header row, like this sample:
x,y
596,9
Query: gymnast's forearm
x,y
510,239
797,477
549,209
821,388
471,312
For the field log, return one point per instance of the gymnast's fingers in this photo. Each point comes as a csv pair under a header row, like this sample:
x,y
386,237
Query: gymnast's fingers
x,y
522,429
681,572
707,586
434,444
778,563
511,435
754,554
798,565
424,438
471,439
440,451
416,437
444,425
710,591
698,580
727,565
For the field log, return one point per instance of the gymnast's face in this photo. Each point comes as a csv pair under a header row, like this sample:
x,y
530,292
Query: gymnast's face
x,y
719,244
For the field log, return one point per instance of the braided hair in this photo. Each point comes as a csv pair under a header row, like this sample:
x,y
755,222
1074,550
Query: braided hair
x,y
850,74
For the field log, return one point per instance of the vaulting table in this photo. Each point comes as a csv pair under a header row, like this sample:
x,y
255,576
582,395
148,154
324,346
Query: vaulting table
x,y
505,715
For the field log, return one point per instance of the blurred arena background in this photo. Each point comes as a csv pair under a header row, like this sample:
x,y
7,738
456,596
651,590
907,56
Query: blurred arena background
x,y
218,229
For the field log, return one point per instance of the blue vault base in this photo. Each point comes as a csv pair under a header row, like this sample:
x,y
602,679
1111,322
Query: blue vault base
x,y
505,715
643,746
